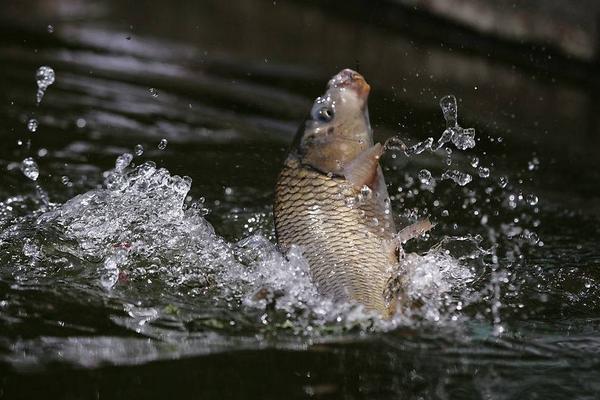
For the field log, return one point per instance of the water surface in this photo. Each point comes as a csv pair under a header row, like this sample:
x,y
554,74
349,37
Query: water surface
x,y
132,280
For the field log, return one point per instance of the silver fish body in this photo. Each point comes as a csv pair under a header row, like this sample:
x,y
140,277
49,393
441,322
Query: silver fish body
x,y
345,233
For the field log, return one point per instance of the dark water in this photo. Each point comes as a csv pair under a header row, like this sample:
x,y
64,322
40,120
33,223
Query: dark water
x,y
131,294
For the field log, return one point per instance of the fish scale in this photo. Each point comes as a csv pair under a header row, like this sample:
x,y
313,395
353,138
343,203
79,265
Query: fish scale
x,y
344,248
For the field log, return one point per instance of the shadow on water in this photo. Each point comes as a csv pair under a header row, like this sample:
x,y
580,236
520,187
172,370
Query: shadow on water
x,y
226,86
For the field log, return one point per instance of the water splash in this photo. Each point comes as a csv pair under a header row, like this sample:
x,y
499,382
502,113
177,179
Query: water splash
x,y
140,226
44,77
460,178
463,139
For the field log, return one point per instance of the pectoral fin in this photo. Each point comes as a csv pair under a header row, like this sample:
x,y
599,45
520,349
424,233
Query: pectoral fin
x,y
363,169
414,230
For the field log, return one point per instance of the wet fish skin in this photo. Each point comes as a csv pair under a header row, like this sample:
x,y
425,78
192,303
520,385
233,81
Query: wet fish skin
x,y
331,200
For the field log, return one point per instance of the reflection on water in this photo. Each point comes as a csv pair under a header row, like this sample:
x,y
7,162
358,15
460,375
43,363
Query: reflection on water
x,y
110,279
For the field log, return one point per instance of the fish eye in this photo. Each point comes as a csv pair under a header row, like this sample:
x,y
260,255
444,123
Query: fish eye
x,y
324,114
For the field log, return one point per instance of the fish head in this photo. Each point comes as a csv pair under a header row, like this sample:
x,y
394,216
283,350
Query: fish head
x,y
338,127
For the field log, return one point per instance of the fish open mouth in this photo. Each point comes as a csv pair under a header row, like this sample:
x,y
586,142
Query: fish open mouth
x,y
348,78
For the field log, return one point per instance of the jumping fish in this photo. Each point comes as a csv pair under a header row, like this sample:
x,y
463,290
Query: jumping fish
x,y
331,200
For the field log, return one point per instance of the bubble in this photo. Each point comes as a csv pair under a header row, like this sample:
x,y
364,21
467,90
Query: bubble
x,y
460,178
30,168
44,77
445,213
474,162
483,172
32,125
228,191
138,150
153,92
163,144
425,176
50,29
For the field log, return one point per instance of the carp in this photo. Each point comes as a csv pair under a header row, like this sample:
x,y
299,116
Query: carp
x,y
331,200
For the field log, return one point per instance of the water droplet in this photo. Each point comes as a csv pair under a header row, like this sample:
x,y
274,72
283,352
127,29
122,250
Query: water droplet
x,y
464,138
474,162
350,201
503,181
123,161
81,123
533,164
425,176
483,172
394,143
163,144
138,150
30,168
44,77
419,147
532,237
448,105
366,192
446,137
531,199
460,178
32,125
153,92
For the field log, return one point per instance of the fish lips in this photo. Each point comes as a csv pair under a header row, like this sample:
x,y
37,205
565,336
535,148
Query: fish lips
x,y
350,79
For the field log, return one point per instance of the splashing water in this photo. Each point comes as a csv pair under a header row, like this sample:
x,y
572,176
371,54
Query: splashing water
x,y
461,178
44,77
140,225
